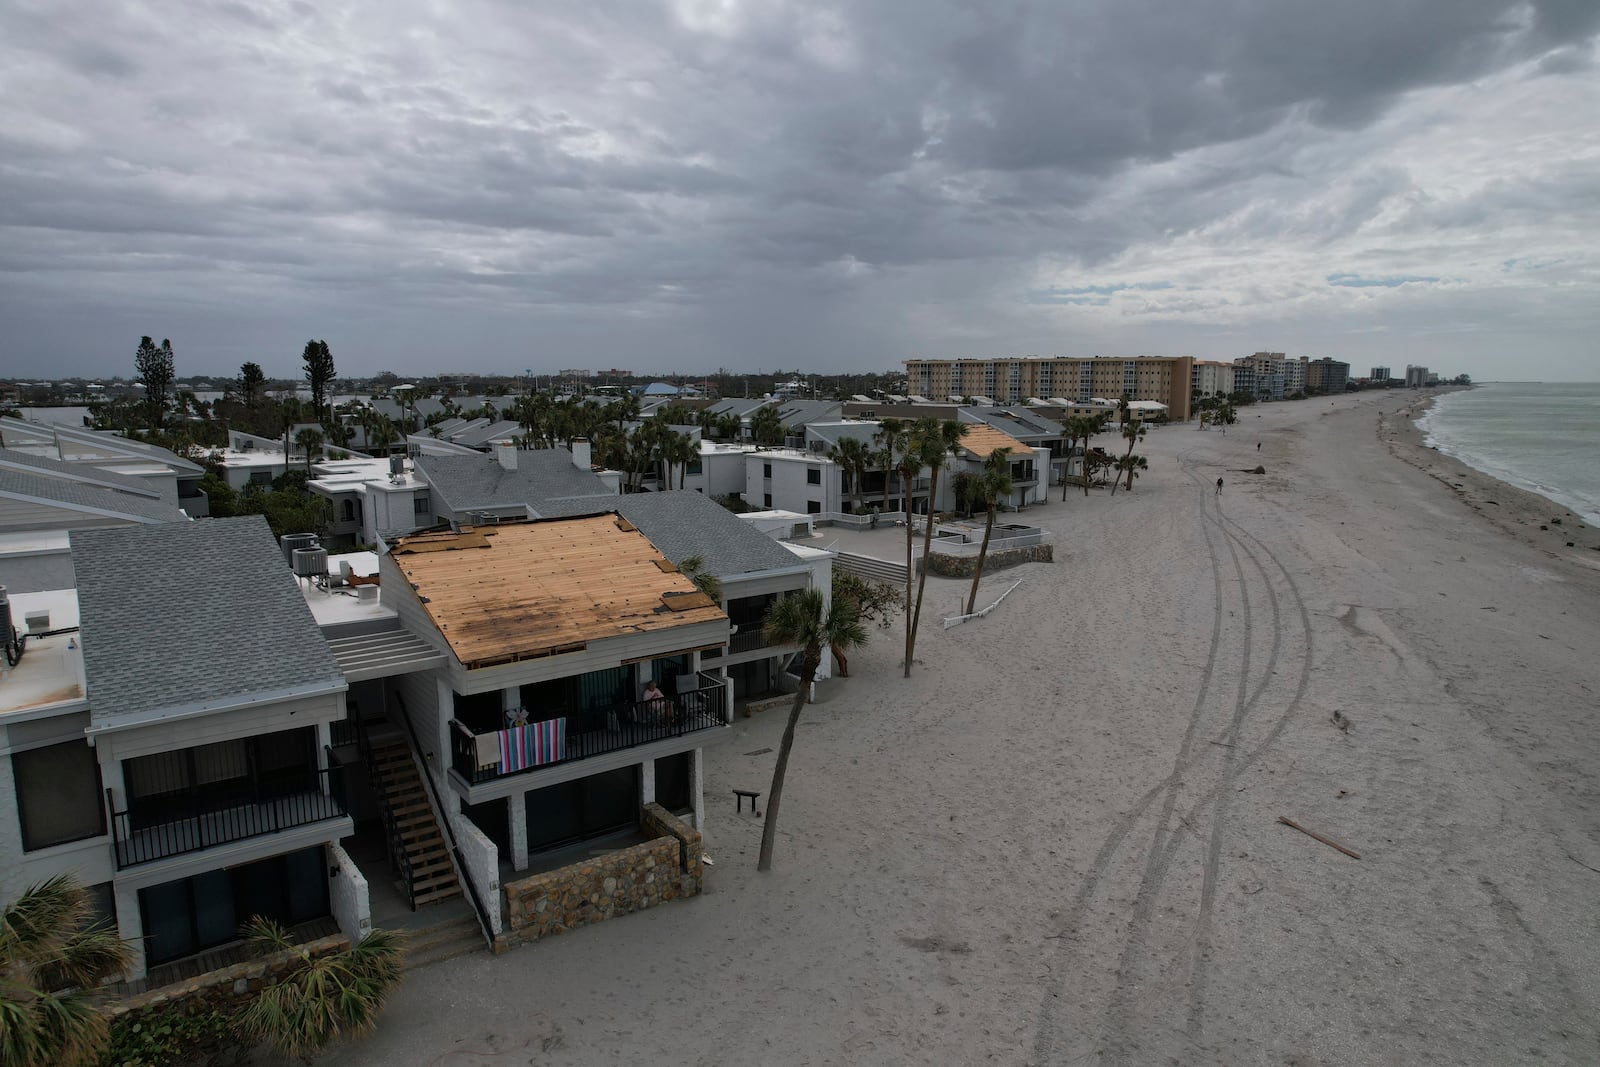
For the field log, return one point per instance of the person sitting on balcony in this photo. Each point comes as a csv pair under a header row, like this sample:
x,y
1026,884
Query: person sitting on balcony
x,y
652,692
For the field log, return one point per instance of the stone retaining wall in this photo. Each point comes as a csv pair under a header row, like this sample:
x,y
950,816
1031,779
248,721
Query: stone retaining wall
x,y
226,989
947,566
629,879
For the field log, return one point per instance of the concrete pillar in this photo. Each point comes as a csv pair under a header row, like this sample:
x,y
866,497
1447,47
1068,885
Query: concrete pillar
x,y
697,787
727,695
647,782
511,699
517,809
130,927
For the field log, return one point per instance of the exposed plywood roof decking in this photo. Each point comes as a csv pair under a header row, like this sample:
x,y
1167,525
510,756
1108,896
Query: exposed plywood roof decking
x,y
522,591
980,441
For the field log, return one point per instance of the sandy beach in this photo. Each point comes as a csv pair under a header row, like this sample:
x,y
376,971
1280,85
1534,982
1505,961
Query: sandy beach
x,y
1058,841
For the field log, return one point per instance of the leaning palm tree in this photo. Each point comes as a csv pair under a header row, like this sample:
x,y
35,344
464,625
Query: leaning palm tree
x,y
323,997
1133,432
994,484
50,957
800,619
936,439
1130,466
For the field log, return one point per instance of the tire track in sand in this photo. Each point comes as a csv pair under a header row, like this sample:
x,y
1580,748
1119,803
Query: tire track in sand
x,y
1047,1032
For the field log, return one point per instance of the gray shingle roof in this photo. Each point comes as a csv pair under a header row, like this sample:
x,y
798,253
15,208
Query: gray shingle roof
x,y
480,435
203,613
800,412
683,523
77,472
834,432
464,483
78,496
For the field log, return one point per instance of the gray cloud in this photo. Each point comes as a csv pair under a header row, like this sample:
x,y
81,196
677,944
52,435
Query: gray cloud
x,y
700,184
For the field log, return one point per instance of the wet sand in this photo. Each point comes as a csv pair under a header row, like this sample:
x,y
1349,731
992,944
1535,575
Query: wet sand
x,y
1058,842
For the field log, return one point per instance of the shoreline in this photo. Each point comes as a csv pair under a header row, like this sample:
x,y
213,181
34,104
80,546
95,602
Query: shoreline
x,y
1528,516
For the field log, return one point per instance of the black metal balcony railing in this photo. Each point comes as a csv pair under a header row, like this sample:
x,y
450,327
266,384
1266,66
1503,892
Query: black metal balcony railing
x,y
183,822
482,756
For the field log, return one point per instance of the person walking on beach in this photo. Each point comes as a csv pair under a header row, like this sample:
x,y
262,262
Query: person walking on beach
x,y
1219,487
1258,446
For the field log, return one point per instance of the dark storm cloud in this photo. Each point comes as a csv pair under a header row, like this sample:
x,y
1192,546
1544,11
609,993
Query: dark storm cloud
x,y
652,181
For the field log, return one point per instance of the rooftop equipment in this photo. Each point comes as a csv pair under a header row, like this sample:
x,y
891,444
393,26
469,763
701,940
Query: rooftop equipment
x,y
290,542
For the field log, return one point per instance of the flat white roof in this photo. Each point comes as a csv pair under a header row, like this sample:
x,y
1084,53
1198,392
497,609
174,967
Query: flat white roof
x,y
775,514
339,604
50,673
253,458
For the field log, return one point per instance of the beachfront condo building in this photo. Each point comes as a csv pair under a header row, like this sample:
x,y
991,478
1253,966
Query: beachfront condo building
x,y
1326,375
1212,377
1379,374
1165,379
1416,377
166,732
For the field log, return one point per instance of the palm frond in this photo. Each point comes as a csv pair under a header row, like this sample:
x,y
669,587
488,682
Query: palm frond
x,y
85,959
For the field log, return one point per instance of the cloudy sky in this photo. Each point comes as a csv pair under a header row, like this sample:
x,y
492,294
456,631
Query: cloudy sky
x,y
502,184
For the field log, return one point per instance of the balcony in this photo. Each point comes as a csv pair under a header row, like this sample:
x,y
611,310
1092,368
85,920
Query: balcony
x,y
484,756
185,821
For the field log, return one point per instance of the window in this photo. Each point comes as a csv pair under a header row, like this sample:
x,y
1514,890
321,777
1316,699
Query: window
x,y
260,477
813,507
766,470
193,914
814,476
766,500
58,794
420,505
349,511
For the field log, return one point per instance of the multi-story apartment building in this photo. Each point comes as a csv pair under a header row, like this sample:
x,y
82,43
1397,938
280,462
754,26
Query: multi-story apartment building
x,y
1294,376
1326,375
1266,373
542,723
168,739
1379,375
1166,379
1416,377
1212,378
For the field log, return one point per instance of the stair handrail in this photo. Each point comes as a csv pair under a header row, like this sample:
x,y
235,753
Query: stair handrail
x,y
443,815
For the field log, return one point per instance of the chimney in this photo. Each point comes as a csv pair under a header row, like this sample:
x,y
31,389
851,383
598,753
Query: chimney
x,y
580,453
505,453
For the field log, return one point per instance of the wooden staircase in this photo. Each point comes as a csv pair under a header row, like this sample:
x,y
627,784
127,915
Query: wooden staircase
x,y
416,843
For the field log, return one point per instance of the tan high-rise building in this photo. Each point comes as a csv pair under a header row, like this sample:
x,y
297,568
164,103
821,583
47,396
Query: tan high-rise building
x,y
1165,379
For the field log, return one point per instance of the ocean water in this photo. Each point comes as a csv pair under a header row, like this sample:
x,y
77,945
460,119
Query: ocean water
x,y
1539,436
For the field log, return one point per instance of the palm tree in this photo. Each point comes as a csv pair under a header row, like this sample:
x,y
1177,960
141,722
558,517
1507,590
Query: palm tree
x,y
309,441
624,408
852,455
799,619
994,484
890,442
935,440
1131,466
728,426
322,998
50,957
1133,432
694,569
766,427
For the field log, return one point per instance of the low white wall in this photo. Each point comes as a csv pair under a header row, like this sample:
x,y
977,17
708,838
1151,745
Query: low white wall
x,y
481,859
347,895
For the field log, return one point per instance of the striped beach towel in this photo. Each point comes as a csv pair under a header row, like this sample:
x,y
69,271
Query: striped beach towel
x,y
537,743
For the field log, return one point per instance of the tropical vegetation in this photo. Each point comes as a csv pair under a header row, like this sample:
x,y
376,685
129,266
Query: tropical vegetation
x,y
52,956
801,619
993,485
